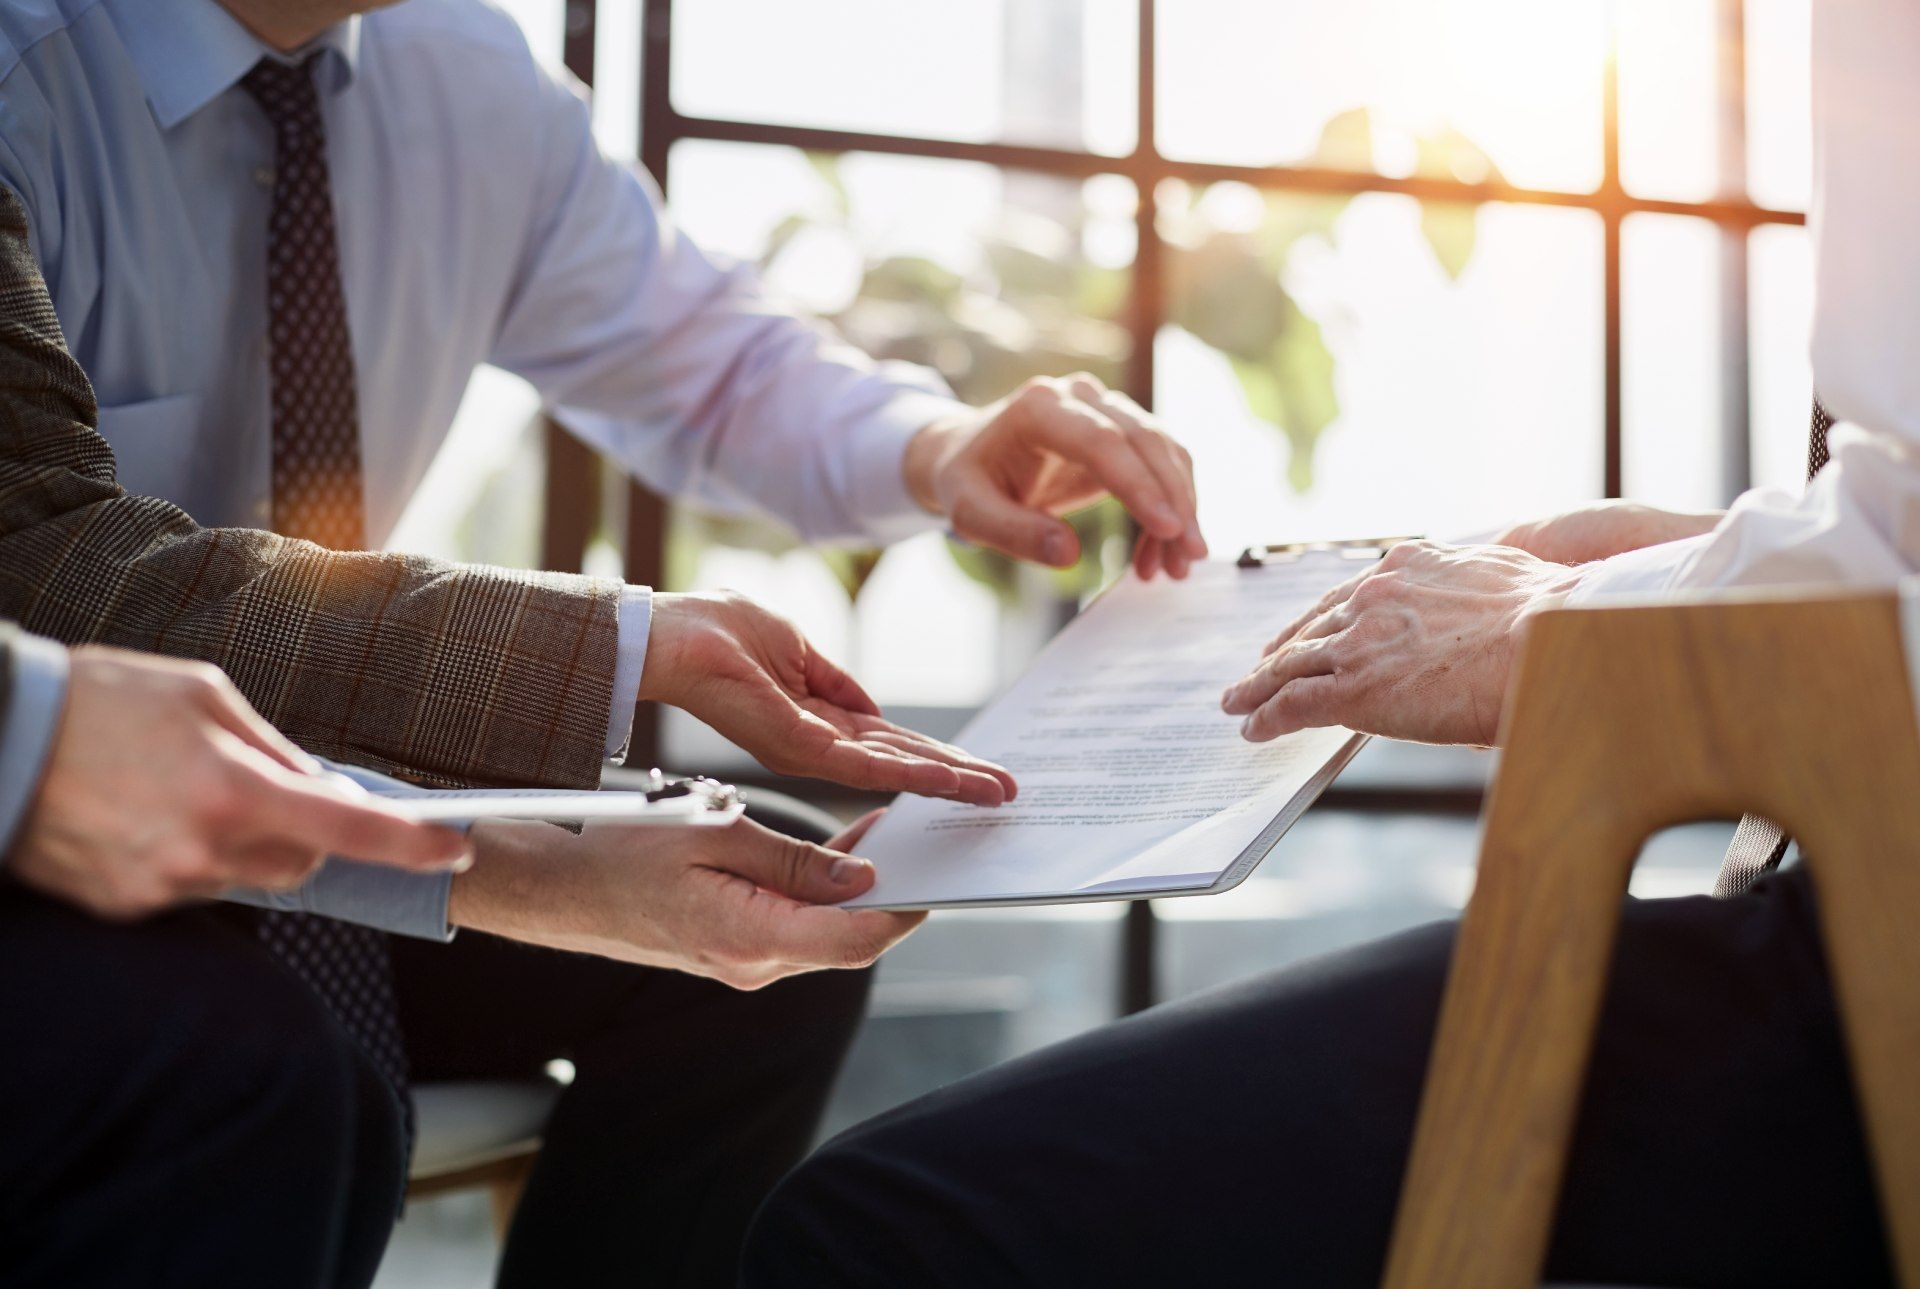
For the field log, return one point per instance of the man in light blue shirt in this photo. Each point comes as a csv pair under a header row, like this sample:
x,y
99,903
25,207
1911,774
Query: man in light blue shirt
x,y
477,222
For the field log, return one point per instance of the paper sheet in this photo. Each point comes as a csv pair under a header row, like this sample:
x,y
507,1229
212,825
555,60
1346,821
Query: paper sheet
x,y
1130,776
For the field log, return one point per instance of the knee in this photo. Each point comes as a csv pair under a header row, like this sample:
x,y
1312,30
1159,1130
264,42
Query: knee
x,y
270,1064
817,1228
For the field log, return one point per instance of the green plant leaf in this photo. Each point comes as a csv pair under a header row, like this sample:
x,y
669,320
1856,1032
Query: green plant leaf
x,y
827,166
1310,402
851,568
989,568
1451,229
911,278
1346,141
1225,293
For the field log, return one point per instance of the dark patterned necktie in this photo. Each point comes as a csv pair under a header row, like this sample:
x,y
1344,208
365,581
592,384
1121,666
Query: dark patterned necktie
x,y
317,496
1759,844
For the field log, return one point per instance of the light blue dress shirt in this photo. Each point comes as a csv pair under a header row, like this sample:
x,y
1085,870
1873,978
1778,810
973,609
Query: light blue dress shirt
x,y
36,681
478,222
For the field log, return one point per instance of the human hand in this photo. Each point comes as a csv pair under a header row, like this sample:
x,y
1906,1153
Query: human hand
x,y
1605,529
164,785
743,905
1417,647
1003,475
752,676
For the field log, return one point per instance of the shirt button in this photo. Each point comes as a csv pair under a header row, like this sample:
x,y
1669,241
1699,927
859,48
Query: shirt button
x,y
263,175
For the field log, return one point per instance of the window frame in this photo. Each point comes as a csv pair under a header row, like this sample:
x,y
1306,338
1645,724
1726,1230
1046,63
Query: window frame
x,y
572,511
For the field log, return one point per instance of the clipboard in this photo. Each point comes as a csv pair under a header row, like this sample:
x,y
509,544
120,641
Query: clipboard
x,y
922,850
664,802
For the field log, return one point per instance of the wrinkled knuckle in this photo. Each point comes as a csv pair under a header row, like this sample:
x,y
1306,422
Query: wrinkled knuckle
x,y
1398,555
1376,590
1039,392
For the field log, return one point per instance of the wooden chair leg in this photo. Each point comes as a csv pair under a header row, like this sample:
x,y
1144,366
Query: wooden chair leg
x,y
1867,876
1642,718
505,1192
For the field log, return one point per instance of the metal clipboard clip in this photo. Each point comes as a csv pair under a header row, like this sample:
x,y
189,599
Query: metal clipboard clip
x,y
713,794
1353,548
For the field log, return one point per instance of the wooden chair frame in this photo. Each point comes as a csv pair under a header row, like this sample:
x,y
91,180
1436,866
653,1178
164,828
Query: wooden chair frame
x,y
504,1178
1622,722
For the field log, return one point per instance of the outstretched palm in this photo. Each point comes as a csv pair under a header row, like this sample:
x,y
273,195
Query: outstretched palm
x,y
755,679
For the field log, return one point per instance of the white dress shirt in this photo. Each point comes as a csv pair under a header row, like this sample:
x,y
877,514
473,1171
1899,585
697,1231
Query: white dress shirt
x,y
1859,521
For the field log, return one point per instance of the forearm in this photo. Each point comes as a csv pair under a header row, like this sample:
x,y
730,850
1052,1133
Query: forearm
x,y
527,885
1852,526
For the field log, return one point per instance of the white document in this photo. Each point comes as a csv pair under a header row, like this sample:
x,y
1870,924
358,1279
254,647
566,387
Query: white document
x,y
1132,780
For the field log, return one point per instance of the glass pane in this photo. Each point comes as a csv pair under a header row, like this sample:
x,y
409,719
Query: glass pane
x,y
1447,86
1412,400
1059,73
1669,125
1780,319
1779,103
990,278
1670,361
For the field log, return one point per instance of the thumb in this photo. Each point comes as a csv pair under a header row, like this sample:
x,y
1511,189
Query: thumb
x,y
987,516
308,810
797,869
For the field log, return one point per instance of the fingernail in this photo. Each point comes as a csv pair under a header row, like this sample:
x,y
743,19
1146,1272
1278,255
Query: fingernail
x,y
847,870
1054,548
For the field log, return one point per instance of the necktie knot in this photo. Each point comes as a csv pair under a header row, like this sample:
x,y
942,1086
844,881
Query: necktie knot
x,y
285,94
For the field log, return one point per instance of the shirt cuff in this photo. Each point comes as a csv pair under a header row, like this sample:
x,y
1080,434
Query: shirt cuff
x,y
876,454
39,696
375,895
630,657
1651,570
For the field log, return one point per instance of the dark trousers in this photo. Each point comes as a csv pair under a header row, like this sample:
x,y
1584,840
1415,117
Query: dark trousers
x,y
1256,1135
178,1109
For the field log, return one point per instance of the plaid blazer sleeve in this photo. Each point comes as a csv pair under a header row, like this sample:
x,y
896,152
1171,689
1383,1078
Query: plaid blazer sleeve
x,y
445,673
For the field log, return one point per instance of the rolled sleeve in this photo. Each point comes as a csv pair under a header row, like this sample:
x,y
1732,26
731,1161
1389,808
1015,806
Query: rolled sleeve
x,y
37,697
1650,571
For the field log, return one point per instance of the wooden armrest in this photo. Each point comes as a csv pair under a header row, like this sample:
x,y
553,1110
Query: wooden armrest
x,y
1624,721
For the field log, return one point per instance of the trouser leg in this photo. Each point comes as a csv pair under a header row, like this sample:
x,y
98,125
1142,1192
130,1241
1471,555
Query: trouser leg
x,y
1257,1135
177,1109
689,1101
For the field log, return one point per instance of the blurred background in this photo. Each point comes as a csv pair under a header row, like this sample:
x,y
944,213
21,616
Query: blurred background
x,y
1385,266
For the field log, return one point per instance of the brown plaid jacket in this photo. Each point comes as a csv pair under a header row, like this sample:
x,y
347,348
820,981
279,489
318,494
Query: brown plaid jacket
x,y
448,673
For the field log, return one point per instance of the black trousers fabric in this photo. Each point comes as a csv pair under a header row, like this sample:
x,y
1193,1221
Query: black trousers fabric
x,y
1256,1135
176,1108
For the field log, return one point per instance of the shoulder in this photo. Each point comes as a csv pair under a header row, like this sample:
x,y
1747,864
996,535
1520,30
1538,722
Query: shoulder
x,y
460,28
25,25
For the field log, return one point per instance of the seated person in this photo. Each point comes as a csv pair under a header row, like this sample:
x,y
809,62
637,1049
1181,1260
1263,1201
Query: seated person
x,y
1257,1135
281,236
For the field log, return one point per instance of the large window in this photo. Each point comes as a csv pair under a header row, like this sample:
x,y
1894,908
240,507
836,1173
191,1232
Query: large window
x,y
1401,265
1391,265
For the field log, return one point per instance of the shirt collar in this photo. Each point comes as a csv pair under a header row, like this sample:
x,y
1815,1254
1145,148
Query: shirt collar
x,y
189,52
